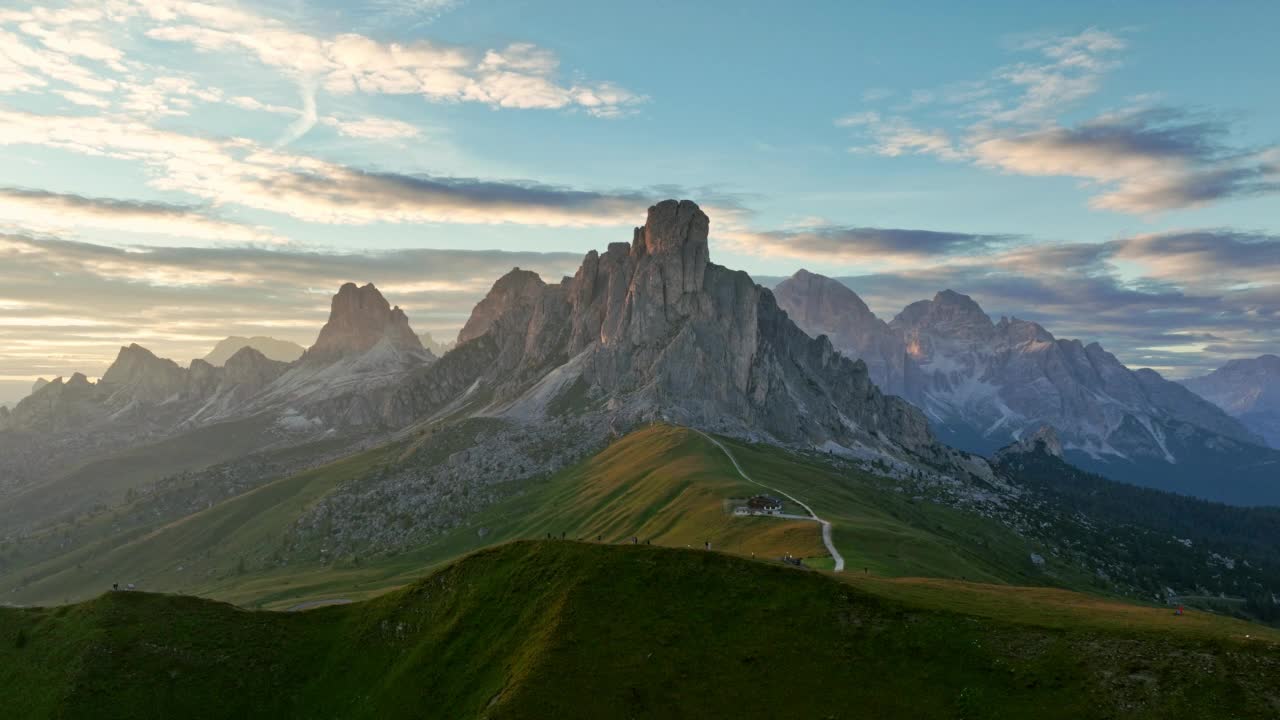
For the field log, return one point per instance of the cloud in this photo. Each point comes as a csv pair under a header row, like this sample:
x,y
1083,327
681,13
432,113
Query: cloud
x,y
57,212
372,128
306,119
1141,160
1198,258
240,171
1146,161
864,245
521,75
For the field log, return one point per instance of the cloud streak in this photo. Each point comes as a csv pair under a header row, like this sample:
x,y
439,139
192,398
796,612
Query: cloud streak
x,y
1139,161
864,245
240,171
58,212
520,75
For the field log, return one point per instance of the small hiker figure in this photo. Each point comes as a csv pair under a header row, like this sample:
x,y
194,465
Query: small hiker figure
x,y
562,536
646,542
548,536
635,540
115,586
599,538
1179,610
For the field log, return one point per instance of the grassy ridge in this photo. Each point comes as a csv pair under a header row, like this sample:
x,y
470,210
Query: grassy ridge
x,y
663,484
577,630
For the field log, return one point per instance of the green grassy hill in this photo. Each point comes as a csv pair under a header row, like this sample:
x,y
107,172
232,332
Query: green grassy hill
x,y
577,630
662,484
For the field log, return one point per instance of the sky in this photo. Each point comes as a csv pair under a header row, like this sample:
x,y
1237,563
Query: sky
x,y
175,172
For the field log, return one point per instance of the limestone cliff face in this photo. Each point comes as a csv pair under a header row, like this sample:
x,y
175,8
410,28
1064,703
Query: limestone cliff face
x,y
655,330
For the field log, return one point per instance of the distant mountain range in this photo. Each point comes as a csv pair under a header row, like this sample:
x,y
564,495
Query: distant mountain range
x,y
437,347
647,330
271,348
1249,390
983,384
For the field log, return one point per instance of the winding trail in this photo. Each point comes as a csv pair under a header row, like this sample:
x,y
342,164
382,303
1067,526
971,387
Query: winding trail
x,y
826,526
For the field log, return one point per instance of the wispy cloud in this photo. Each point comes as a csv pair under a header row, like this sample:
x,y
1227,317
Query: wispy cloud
x,y
240,171
1141,160
863,246
62,212
520,75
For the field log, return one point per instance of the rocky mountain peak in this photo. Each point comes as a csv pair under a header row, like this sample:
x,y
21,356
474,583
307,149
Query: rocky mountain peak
x,y
39,383
250,367
823,306
1043,440
360,318
817,296
1248,390
137,365
675,236
517,289
654,330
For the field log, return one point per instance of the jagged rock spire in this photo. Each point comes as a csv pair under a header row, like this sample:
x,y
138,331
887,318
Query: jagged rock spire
x,y
359,318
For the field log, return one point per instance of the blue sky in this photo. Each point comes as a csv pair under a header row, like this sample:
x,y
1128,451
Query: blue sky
x,y
172,172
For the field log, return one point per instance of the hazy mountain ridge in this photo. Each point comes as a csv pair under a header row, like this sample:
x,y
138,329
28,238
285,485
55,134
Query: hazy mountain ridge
x,y
1247,389
271,348
984,384
143,399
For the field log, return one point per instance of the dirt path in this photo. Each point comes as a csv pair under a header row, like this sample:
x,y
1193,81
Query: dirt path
x,y
826,526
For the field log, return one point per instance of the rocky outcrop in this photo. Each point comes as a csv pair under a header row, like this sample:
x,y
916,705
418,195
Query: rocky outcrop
x,y
269,347
1043,441
360,318
138,375
60,405
1248,390
39,383
822,306
364,351
654,330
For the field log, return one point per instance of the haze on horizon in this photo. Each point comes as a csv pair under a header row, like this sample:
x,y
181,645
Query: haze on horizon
x,y
176,172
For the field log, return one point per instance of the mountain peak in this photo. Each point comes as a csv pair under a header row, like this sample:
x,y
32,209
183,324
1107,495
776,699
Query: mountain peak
x,y
949,311
675,235
136,363
951,298
359,318
1044,440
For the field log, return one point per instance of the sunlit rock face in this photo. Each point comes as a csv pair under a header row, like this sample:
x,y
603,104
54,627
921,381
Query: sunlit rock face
x,y
656,330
